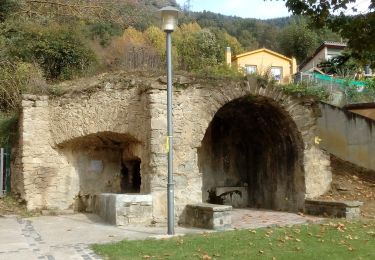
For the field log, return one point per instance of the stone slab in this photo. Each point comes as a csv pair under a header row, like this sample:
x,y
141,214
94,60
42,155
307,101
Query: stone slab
x,y
338,209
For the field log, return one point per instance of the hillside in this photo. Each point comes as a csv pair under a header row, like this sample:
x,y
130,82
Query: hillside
x,y
351,182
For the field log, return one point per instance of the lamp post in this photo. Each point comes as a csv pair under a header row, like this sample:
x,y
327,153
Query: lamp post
x,y
169,17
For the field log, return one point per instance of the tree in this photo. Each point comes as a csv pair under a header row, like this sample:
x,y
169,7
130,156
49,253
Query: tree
x,y
297,40
266,35
342,65
197,48
248,40
358,29
226,40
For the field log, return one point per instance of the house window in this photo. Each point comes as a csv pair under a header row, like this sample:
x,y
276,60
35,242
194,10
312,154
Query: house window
x,y
251,69
277,73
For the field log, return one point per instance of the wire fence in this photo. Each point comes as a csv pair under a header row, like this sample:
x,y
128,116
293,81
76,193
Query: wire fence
x,y
340,91
140,58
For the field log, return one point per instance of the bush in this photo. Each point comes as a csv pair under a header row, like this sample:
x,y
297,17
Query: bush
x,y
60,50
353,94
17,78
103,32
302,89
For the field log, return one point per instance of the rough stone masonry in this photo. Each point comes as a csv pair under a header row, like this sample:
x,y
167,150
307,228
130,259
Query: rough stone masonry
x,y
107,135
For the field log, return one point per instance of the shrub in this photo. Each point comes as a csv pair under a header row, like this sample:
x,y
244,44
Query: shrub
x,y
60,50
302,89
222,70
8,128
17,78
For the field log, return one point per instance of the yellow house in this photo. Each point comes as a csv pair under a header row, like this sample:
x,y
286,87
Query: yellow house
x,y
263,61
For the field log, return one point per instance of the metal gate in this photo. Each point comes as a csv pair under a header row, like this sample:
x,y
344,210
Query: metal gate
x,y
4,171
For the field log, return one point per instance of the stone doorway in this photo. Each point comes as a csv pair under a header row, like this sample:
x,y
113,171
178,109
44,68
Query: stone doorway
x,y
131,176
252,156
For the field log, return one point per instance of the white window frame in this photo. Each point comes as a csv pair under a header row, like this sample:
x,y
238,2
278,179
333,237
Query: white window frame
x,y
253,71
275,76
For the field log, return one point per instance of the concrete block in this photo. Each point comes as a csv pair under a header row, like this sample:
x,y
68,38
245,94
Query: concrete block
x,y
209,216
124,209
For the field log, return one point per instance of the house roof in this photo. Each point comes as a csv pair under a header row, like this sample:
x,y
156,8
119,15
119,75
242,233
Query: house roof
x,y
329,45
261,50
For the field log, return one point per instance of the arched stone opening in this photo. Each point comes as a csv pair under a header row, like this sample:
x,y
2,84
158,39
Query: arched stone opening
x,y
104,162
252,156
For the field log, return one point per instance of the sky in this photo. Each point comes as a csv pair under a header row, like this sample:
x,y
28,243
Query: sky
x,y
259,9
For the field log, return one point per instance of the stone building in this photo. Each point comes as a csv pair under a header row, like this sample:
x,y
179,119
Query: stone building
x,y
108,134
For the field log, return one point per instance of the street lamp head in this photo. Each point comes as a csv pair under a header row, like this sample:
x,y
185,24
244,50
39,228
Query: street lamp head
x,y
169,17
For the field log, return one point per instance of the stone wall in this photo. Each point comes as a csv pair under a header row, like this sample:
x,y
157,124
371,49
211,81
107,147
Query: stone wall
x,y
347,135
69,142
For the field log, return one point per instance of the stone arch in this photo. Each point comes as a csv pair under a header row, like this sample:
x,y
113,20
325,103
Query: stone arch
x,y
303,111
295,117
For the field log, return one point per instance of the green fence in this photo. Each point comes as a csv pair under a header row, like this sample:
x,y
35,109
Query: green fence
x,y
4,171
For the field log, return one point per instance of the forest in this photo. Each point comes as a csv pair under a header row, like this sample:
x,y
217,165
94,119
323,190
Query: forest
x,y
46,41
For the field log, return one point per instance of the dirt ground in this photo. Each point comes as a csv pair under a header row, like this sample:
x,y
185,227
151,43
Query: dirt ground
x,y
351,182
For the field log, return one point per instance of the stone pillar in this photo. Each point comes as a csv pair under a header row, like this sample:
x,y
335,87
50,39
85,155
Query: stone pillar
x,y
188,181
318,175
41,164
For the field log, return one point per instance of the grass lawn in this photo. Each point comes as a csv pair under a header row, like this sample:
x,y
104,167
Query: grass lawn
x,y
333,240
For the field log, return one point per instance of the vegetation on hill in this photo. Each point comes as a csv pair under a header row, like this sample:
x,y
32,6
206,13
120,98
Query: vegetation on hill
x,y
54,40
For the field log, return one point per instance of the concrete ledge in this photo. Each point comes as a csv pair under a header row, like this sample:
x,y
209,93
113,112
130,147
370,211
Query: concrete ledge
x,y
124,209
209,216
338,209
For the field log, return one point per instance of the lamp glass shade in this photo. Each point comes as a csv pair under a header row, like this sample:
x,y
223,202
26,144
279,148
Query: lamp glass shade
x,y
169,16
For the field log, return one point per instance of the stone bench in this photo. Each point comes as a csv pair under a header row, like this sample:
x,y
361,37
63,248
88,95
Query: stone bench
x,y
124,209
209,216
338,209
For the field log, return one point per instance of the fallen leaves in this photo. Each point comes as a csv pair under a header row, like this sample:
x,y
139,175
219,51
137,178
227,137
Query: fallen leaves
x,y
340,227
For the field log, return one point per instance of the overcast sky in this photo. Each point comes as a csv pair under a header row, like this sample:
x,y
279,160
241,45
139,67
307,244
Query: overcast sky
x,y
251,8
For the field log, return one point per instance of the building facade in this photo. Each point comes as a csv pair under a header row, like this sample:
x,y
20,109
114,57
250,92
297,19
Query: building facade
x,y
264,61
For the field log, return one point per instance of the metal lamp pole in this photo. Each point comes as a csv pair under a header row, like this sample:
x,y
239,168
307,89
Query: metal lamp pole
x,y
169,17
170,185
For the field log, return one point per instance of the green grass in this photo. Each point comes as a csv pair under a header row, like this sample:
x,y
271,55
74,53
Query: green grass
x,y
334,240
